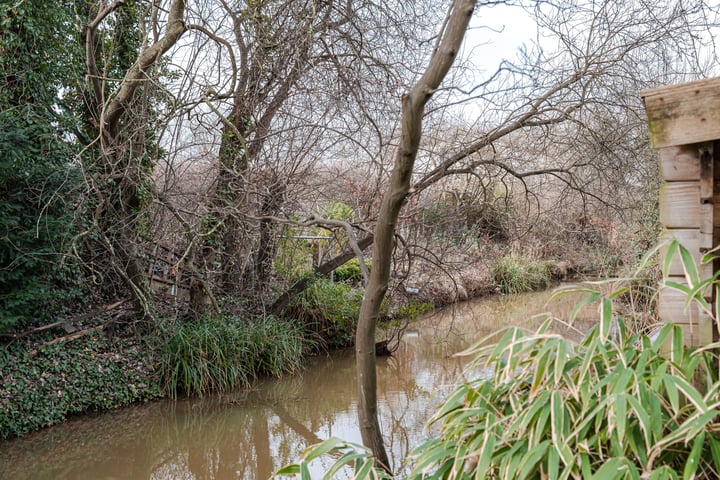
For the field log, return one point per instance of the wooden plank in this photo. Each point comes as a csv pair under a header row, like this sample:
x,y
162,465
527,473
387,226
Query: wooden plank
x,y
680,205
683,114
706,242
706,329
680,208
671,306
697,334
707,218
679,163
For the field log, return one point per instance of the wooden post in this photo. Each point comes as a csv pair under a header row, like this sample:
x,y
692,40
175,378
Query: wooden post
x,y
684,124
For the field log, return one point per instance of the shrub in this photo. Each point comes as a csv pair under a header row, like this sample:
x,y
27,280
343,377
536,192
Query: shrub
x,y
600,409
516,274
36,220
330,309
413,309
221,353
350,272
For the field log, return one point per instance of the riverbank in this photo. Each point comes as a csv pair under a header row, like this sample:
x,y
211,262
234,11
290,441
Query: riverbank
x,y
43,384
255,431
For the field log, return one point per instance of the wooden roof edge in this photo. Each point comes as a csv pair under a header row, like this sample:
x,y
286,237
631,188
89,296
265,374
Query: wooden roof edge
x,y
681,88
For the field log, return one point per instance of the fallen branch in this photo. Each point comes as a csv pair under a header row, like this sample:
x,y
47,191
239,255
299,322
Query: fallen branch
x,y
65,323
327,267
67,338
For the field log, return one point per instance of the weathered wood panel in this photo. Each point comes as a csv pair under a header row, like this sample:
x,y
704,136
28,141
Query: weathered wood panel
x,y
680,164
671,306
683,114
680,206
698,327
697,333
707,167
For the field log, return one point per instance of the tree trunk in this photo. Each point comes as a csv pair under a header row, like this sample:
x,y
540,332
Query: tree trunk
x,y
118,216
413,105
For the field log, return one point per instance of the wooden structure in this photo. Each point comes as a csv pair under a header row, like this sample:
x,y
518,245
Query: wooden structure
x,y
684,123
165,277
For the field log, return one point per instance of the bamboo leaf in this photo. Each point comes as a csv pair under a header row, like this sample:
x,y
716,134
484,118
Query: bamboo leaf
x,y
293,469
532,457
610,469
486,455
620,413
362,470
561,355
693,460
688,263
606,318
305,471
669,255
593,297
557,419
322,448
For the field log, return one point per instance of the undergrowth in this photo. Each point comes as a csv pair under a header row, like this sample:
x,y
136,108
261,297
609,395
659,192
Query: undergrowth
x,y
330,310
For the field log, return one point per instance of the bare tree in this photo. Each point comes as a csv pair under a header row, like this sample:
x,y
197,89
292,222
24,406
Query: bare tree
x,y
564,94
413,105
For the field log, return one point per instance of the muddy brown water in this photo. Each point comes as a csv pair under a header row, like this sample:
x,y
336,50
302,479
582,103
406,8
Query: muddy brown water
x,y
250,434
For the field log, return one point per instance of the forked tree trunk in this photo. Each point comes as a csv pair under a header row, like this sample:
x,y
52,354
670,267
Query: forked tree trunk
x,y
413,106
124,246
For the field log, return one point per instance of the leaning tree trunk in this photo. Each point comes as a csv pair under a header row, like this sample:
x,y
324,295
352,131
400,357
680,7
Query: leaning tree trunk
x,y
413,106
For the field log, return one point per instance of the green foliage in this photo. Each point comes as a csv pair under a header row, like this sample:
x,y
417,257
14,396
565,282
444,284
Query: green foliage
x,y
294,258
338,211
516,274
37,174
605,408
36,220
352,457
65,379
33,52
221,353
350,272
330,309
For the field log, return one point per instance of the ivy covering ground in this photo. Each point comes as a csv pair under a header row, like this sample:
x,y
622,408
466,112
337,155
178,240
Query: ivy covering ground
x,y
65,379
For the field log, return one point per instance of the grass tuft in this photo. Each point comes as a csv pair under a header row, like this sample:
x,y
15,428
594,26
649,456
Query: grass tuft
x,y
517,274
218,353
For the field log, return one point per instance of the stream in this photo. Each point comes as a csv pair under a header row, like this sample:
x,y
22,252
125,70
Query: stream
x,y
249,434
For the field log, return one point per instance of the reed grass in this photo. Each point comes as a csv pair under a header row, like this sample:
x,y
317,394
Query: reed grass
x,y
517,274
219,353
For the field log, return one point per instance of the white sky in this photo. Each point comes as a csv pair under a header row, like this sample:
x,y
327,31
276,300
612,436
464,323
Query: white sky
x,y
497,33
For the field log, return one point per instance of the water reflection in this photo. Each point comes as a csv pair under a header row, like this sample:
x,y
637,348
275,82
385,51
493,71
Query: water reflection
x,y
250,434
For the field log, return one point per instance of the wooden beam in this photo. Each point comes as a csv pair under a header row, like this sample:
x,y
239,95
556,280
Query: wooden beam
x,y
707,166
680,205
679,164
683,114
